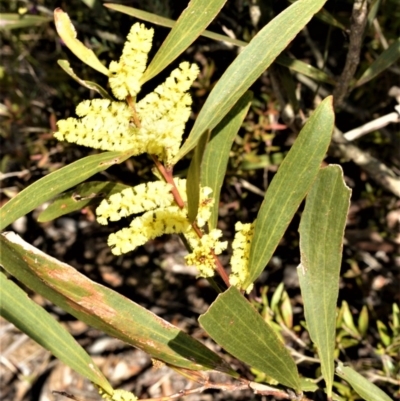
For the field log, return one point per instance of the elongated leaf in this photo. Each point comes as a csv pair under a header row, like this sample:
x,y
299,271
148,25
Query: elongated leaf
x,y
215,160
367,390
169,23
373,11
64,64
255,58
143,15
238,328
33,320
191,23
103,308
67,33
305,69
288,86
86,194
14,21
56,182
385,60
193,178
289,187
321,240
290,62
328,18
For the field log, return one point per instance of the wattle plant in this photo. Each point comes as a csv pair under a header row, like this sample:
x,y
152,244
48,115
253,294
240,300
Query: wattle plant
x,y
131,123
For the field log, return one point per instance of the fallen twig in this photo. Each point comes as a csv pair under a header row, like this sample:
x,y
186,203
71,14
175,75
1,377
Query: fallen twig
x,y
372,126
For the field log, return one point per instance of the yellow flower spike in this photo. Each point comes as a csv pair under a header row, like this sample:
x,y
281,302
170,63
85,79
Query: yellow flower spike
x,y
164,112
150,225
104,125
202,255
141,198
125,74
241,252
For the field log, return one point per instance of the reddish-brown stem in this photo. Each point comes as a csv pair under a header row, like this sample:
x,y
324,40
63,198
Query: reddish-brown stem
x,y
221,271
168,177
167,173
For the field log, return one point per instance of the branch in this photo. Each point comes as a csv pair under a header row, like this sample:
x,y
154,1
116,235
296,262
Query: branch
x,y
340,147
375,169
257,388
359,21
373,125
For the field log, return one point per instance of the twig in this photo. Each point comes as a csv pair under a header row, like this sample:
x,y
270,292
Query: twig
x,y
257,388
340,147
293,336
372,126
359,21
377,170
379,33
19,174
303,358
319,58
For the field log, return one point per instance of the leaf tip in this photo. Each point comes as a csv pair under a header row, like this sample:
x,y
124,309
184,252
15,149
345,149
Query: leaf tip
x,y
58,14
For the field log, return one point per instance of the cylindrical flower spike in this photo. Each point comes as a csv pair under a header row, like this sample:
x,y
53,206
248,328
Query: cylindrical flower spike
x,y
241,252
164,112
138,199
150,225
104,125
125,74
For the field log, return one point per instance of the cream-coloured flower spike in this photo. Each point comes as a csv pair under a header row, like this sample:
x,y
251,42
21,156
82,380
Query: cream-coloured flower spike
x,y
125,74
104,125
241,252
138,199
164,112
148,226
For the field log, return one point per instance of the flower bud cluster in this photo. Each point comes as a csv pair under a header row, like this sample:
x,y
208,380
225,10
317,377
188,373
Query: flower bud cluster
x,y
204,249
241,253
